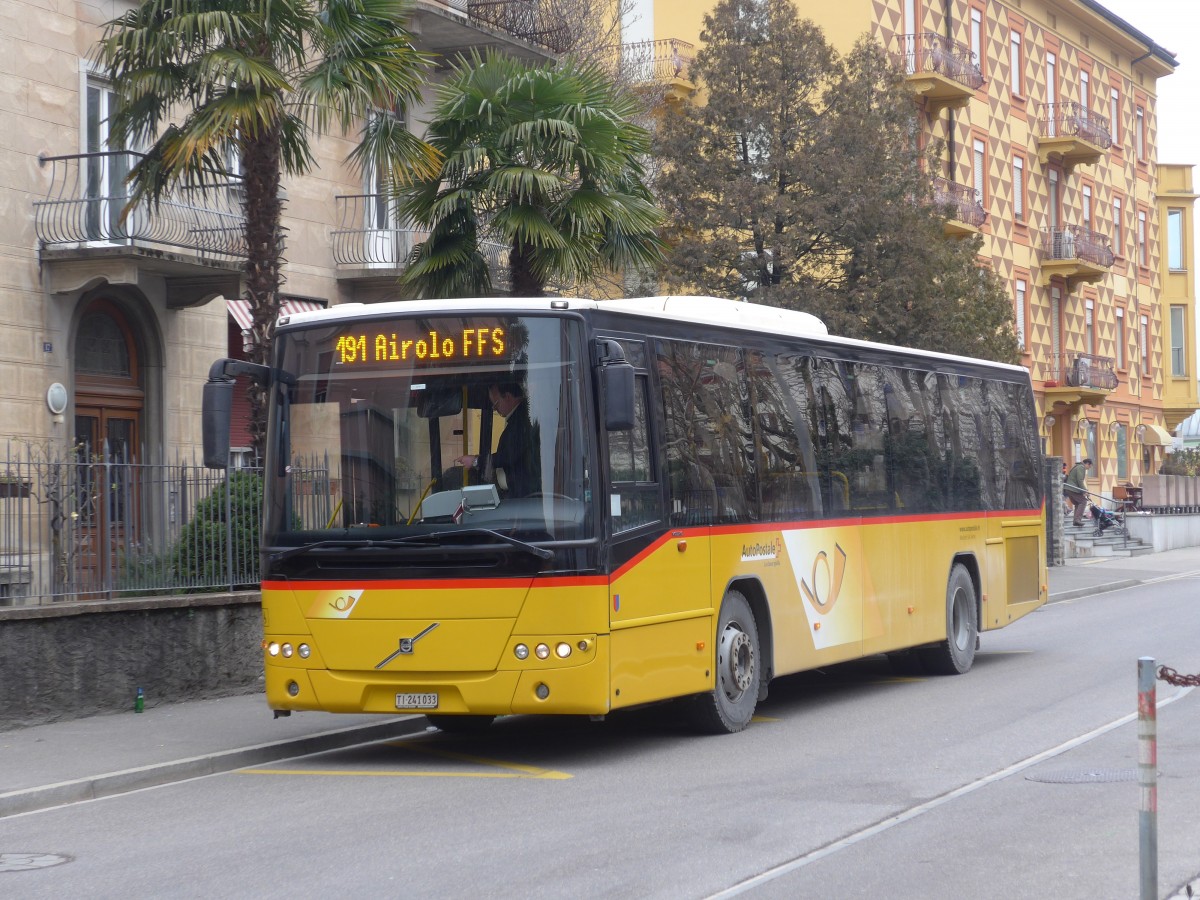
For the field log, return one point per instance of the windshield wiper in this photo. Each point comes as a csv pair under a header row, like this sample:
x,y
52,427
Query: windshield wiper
x,y
348,544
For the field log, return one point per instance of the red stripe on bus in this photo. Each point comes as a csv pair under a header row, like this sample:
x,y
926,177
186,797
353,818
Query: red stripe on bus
x,y
426,584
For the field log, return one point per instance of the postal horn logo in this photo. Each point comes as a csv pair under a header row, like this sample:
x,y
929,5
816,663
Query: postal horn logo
x,y
826,586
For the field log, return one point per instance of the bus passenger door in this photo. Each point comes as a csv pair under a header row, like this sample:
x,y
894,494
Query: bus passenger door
x,y
660,604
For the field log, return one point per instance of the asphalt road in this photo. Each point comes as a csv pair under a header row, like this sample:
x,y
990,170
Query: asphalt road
x,y
1013,781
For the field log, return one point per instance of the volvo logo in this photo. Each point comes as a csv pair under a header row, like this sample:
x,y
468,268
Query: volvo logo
x,y
406,646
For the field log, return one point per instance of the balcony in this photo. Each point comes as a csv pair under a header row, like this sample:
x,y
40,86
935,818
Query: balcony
x,y
1072,135
533,21
660,63
1075,378
448,29
942,71
1075,254
368,251
967,214
192,237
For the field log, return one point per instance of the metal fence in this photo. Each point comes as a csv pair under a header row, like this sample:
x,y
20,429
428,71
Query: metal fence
x,y
102,524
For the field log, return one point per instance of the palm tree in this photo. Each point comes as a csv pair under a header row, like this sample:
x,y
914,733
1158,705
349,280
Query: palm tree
x,y
199,80
544,161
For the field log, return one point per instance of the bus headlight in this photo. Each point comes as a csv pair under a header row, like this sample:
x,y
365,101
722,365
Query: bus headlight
x,y
563,649
304,650
286,650
521,651
542,651
273,649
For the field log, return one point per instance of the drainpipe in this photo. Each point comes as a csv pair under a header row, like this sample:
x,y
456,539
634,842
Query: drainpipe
x,y
948,6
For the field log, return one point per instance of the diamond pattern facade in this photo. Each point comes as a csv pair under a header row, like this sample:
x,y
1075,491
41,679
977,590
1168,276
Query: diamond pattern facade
x,y
1072,44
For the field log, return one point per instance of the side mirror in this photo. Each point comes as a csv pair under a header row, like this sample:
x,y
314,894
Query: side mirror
x,y
615,377
215,420
217,407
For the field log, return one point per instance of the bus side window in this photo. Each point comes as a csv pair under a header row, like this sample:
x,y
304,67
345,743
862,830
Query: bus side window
x,y
787,464
636,498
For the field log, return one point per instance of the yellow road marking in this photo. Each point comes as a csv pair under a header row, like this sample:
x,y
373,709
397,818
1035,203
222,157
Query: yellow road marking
x,y
510,769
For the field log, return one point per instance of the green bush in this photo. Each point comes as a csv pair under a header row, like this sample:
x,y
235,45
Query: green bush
x,y
200,553
1182,462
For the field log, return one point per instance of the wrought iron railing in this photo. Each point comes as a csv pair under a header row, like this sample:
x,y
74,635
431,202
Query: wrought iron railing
x,y
96,524
962,199
1079,370
531,20
1070,119
86,206
1074,242
359,242
653,61
930,52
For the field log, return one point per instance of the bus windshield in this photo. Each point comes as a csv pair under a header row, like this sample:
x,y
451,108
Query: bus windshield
x,y
428,430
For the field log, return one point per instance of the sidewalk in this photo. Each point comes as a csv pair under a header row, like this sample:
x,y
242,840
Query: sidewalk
x,y
82,759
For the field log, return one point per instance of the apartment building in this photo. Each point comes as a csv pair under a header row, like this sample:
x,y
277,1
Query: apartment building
x,y
109,324
1046,110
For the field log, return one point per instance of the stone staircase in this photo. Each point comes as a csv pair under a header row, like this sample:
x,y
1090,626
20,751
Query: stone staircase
x,y
1083,542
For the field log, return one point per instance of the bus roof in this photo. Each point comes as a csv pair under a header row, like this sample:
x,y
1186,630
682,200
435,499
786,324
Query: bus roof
x,y
701,310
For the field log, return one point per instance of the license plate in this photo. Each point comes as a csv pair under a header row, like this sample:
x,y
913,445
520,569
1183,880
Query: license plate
x,y
416,701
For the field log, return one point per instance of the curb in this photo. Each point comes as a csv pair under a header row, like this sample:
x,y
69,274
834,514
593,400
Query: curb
x,y
1076,593
112,783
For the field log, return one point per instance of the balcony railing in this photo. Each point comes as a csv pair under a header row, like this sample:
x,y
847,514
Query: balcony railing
x,y
1069,119
929,52
531,20
1074,242
361,243
962,199
1080,370
88,195
646,62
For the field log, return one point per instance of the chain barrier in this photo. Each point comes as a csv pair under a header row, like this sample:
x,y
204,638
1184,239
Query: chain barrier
x,y
1169,675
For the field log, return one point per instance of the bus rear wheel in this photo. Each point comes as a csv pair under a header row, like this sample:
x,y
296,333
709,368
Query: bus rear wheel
x,y
460,724
956,654
729,707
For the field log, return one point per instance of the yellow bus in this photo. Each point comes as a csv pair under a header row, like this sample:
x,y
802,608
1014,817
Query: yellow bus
x,y
477,508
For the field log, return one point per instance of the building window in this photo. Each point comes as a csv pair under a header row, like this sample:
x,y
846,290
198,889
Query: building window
x,y
1018,186
1084,93
1089,327
1115,114
1021,288
1052,205
1093,447
1118,235
980,171
1139,132
977,37
1122,441
1144,344
1087,207
1175,240
1178,342
1143,252
1016,64
1120,338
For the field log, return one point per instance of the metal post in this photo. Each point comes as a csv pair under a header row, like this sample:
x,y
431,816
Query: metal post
x,y
1148,777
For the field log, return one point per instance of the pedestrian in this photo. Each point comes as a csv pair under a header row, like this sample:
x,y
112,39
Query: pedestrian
x,y
1074,489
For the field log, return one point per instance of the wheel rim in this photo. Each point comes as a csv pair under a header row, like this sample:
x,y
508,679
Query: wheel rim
x,y
960,619
735,661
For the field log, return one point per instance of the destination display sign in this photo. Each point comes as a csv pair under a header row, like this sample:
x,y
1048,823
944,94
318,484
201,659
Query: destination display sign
x,y
406,344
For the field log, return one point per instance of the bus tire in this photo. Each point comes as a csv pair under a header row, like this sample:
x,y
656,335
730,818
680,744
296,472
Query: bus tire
x,y
956,654
738,673
460,724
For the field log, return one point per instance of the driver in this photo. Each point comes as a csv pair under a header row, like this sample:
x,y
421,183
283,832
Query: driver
x,y
516,461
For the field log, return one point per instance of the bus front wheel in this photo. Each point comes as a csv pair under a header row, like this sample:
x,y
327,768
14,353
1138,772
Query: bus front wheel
x,y
728,708
956,654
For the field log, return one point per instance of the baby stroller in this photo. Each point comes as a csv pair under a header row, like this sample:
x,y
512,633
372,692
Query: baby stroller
x,y
1105,518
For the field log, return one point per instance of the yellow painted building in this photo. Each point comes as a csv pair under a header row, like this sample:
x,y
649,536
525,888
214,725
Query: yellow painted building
x,y
1176,201
1047,112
